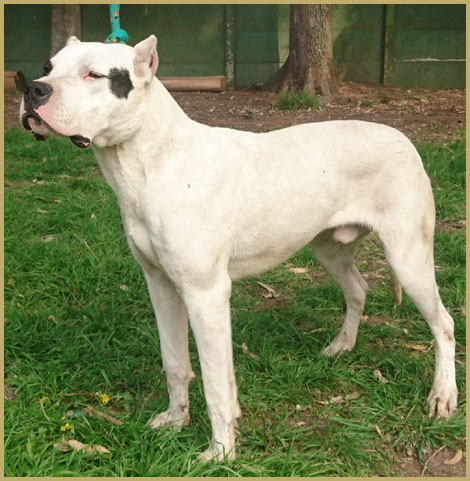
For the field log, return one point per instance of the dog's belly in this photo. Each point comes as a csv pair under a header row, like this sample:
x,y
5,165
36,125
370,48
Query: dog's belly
x,y
260,255
251,266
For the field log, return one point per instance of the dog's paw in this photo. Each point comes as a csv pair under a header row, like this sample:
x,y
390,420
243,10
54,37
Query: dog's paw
x,y
338,346
167,419
442,402
217,455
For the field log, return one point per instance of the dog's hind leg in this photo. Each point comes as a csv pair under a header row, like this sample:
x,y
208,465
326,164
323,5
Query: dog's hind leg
x,y
334,250
172,322
409,251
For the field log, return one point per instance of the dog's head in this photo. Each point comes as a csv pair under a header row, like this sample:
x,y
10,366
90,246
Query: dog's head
x,y
91,92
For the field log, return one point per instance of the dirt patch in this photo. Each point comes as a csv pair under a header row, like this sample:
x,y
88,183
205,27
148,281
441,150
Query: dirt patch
x,y
422,114
435,464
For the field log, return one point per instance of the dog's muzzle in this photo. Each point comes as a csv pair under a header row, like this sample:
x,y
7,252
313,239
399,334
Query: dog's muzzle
x,y
35,95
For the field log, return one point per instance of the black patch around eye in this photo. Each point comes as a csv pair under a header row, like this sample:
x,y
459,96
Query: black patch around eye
x,y
47,67
120,82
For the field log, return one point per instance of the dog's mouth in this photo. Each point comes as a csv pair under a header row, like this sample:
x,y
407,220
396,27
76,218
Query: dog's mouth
x,y
80,141
32,120
25,120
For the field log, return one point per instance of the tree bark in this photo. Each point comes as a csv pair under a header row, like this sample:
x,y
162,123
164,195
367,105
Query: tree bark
x,y
65,22
310,64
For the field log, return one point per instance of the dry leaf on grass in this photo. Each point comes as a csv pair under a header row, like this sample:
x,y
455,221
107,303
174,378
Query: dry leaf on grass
x,y
337,400
419,347
379,376
248,353
48,238
416,347
353,396
271,292
298,270
456,459
92,411
67,445
9,393
342,399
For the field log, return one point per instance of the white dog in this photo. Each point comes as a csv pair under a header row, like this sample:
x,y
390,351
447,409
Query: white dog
x,y
203,206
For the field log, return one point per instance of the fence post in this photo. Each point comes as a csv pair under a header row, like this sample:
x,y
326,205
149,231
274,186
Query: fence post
x,y
230,33
389,44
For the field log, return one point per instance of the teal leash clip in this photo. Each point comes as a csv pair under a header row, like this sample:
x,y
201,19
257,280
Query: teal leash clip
x,y
118,35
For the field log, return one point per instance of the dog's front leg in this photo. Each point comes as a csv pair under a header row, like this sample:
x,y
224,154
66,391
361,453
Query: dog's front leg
x,y
172,321
209,314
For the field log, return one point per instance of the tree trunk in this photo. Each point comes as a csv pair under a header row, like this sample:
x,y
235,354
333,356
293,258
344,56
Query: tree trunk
x,y
310,64
65,22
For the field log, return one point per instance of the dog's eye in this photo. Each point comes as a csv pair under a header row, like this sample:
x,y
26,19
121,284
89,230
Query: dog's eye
x,y
47,68
94,75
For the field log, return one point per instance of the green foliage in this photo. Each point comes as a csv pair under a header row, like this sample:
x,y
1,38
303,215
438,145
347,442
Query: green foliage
x,y
366,103
78,323
297,100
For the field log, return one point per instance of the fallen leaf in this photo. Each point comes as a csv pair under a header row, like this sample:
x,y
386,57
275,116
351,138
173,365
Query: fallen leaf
x,y
456,459
48,238
352,396
96,448
67,445
379,376
320,329
337,400
92,411
248,353
9,393
63,446
298,270
416,347
271,291
74,414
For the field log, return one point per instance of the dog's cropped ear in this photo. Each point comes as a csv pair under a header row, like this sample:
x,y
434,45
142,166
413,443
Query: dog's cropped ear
x,y
71,40
146,58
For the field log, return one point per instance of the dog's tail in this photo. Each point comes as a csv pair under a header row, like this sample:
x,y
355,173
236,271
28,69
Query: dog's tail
x,y
396,290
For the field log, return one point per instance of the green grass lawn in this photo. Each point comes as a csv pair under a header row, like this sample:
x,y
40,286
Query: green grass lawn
x,y
78,324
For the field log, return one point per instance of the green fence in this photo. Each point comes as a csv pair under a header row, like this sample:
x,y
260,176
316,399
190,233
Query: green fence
x,y
407,45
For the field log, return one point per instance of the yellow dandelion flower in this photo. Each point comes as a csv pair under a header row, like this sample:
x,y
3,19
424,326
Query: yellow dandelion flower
x,y
104,398
66,427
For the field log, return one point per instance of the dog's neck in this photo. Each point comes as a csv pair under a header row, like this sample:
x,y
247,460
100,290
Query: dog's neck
x,y
158,117
126,165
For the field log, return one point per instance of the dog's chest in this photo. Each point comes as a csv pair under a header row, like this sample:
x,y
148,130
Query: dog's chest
x,y
128,180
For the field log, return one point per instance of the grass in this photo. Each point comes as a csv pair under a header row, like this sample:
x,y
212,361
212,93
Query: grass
x,y
297,100
366,103
78,324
